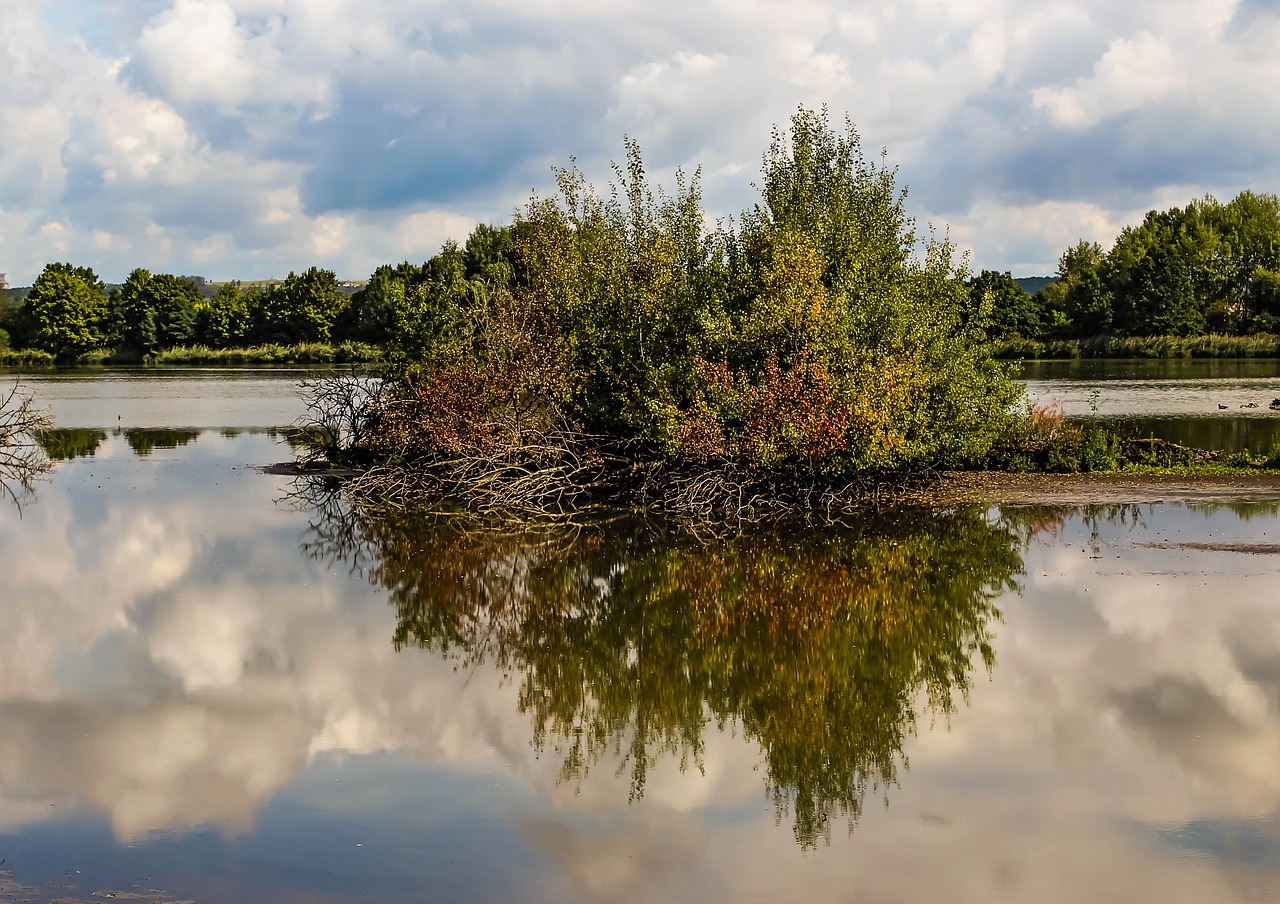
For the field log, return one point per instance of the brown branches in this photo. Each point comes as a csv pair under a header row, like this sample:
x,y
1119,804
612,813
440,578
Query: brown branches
x,y
22,459
341,414
459,439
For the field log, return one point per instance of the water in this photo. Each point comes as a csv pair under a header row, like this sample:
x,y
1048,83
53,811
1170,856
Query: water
x,y
214,689
1208,404
174,397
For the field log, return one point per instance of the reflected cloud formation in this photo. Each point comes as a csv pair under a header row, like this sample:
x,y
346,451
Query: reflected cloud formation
x,y
173,662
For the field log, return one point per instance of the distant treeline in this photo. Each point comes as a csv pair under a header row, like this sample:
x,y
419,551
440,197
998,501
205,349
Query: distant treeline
x,y
71,315
1207,268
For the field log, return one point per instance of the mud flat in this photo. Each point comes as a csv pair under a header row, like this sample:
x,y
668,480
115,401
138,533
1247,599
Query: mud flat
x,y
1002,488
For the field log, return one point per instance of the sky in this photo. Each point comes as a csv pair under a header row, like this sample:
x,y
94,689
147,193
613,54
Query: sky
x,y
247,138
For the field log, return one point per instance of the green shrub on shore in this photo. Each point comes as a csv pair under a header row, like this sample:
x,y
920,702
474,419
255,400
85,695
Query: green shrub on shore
x,y
820,334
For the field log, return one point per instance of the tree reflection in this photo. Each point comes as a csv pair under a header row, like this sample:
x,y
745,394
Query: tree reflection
x,y
67,444
145,441
824,647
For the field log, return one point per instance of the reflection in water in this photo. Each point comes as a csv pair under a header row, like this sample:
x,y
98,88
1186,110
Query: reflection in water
x,y
68,445
144,442
187,701
822,647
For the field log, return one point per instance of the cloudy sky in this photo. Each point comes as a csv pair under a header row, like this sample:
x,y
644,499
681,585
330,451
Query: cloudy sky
x,y
245,138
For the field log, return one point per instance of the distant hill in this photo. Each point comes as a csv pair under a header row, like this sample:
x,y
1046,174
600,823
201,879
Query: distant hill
x,y
1033,284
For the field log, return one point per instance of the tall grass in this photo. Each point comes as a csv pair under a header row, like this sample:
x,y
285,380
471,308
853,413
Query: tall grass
x,y
1262,345
25,357
304,353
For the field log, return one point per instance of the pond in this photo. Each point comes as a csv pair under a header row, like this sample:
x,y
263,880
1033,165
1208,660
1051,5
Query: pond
x,y
219,686
1205,403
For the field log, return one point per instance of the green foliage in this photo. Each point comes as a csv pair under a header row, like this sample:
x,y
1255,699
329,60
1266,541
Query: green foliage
x,y
1207,267
1160,299
813,335
174,302
1262,345
67,308
223,321
132,316
1006,307
302,308
310,353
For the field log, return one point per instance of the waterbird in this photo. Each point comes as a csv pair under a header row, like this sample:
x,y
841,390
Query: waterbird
x,y
1221,407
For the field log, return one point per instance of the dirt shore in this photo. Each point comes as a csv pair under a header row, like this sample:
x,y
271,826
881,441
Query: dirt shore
x,y
1001,488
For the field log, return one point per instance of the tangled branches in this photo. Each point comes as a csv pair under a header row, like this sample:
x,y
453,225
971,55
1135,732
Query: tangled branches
x,y
22,460
452,442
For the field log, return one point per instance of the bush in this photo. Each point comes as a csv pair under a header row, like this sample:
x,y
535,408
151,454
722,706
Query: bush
x,y
814,336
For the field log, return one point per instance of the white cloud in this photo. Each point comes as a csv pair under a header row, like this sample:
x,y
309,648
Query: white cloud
x,y
201,116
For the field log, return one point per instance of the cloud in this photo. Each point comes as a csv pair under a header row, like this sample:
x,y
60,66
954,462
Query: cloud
x,y
266,135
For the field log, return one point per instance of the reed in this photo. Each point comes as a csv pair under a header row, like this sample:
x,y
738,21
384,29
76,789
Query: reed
x,y
1262,345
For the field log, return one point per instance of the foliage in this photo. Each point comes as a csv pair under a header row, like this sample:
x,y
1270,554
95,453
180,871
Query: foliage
x,y
313,353
1005,305
302,308
1207,267
66,306
1261,345
813,337
223,321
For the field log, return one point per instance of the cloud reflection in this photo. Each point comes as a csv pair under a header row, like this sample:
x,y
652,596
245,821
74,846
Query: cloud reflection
x,y
172,661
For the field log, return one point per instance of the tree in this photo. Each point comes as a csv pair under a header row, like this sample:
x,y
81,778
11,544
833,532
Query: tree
x,y
837,287
224,321
1160,299
1010,311
132,317
1087,303
174,301
302,308
67,307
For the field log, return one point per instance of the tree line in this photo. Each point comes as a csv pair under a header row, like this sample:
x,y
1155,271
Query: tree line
x,y
1207,268
69,312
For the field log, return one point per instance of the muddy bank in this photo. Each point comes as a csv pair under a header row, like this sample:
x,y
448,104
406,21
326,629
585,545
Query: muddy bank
x,y
1002,488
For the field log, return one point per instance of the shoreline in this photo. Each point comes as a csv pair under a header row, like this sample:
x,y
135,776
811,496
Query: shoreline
x,y
1097,488
1003,488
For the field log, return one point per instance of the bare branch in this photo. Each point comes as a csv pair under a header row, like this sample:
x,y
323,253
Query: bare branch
x,y
22,458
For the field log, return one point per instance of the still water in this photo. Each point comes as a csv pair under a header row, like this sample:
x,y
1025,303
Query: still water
x,y
214,688
1207,404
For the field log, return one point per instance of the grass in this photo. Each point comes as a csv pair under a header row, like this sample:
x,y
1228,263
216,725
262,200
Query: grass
x,y
1262,345
305,353
25,357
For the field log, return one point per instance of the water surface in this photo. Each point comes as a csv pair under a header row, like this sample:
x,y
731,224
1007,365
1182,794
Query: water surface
x,y
1206,403
215,689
